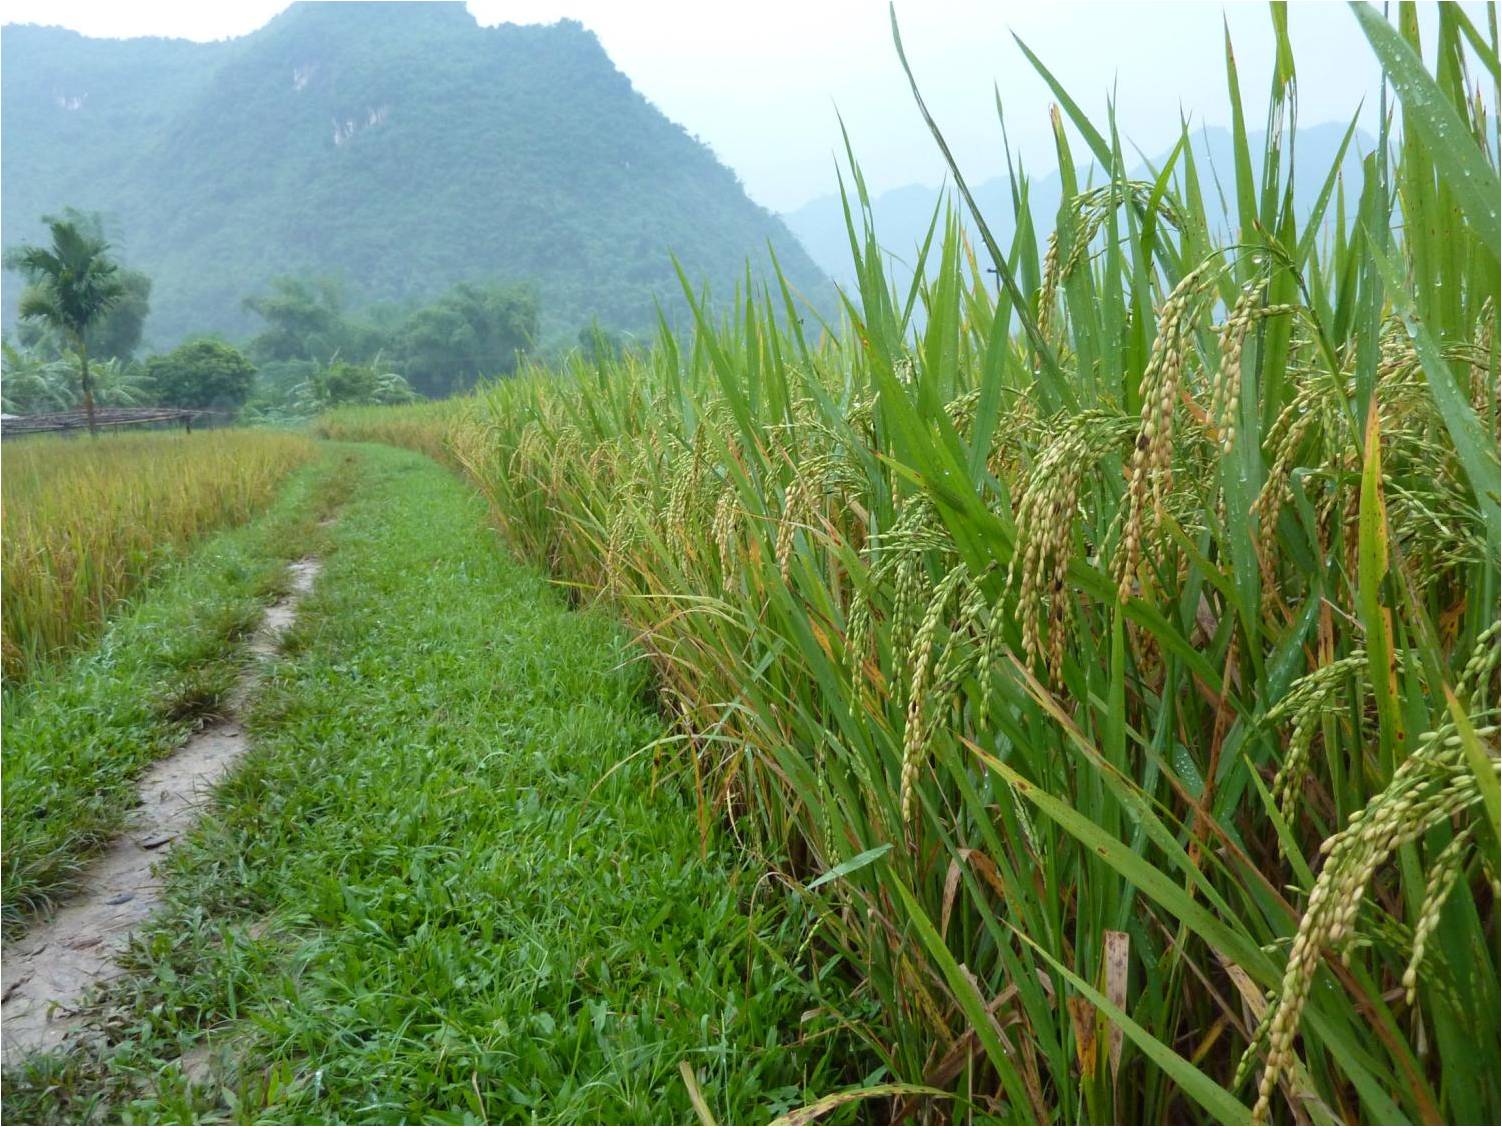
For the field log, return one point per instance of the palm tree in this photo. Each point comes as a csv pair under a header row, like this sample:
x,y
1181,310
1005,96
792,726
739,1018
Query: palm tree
x,y
73,284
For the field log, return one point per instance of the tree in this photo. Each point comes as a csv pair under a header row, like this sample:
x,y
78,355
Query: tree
x,y
117,335
73,284
114,336
470,332
304,321
202,373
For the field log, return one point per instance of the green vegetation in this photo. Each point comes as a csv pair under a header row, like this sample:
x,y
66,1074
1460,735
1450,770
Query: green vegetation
x,y
44,381
1113,662
82,315
77,732
85,525
202,373
341,383
305,319
114,334
469,332
72,284
598,344
400,147
312,354
443,887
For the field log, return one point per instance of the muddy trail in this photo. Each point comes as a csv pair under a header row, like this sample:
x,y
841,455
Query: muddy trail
x,y
50,972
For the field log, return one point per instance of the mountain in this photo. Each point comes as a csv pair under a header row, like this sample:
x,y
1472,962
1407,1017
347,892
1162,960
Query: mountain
x,y
902,214
397,146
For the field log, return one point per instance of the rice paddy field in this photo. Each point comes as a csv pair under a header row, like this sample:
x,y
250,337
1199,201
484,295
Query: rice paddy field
x,y
1061,690
87,522
1108,652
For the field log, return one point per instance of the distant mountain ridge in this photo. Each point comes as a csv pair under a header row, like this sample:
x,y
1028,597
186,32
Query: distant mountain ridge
x,y
398,146
902,214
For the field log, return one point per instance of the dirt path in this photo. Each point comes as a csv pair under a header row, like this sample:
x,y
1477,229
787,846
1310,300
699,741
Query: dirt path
x,y
49,972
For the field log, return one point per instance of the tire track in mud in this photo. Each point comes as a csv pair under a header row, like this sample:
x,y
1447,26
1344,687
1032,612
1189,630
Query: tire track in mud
x,y
49,973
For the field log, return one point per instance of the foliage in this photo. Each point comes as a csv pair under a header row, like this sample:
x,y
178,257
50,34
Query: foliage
x,y
903,214
32,384
72,285
342,384
304,320
1114,659
471,331
116,334
202,373
494,911
73,282
398,147
467,334
119,383
85,525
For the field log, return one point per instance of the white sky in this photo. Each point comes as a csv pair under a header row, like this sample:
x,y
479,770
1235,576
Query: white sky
x,y
760,81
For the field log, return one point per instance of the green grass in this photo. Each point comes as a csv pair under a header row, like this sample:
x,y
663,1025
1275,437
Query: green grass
x,y
442,887
79,731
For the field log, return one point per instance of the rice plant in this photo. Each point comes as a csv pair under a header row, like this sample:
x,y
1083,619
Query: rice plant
x,y
1110,653
88,522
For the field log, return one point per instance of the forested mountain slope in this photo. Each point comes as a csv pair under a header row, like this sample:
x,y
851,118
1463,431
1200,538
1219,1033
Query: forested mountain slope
x,y
399,147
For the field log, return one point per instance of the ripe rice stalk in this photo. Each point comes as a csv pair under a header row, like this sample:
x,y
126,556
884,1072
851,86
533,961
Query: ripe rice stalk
x,y
86,524
1098,598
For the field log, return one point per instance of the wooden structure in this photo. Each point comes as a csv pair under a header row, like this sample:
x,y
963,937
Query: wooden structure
x,y
13,426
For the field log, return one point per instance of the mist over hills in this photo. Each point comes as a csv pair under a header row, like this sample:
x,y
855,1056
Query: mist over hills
x,y
399,147
902,215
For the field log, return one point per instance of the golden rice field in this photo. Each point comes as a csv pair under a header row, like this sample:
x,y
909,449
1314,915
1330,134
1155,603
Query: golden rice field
x,y
1111,654
87,521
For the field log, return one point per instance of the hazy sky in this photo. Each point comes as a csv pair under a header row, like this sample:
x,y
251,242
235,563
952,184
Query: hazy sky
x,y
761,81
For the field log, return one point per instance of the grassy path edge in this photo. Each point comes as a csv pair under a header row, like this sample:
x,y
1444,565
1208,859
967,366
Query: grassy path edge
x,y
78,734
417,898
